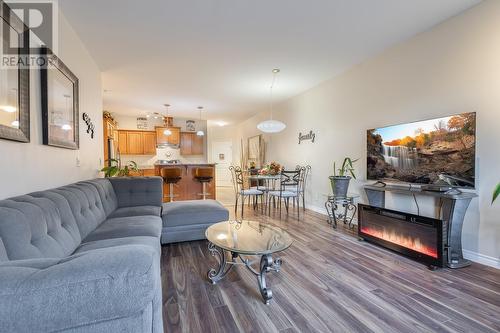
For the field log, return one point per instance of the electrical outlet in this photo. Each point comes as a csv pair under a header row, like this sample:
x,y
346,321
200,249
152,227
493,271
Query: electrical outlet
x,y
78,163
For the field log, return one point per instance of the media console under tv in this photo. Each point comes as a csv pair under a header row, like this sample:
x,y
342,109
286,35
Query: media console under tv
x,y
435,242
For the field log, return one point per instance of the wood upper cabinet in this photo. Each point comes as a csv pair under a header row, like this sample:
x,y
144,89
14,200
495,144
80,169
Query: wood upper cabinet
x,y
122,142
149,143
136,142
191,144
172,139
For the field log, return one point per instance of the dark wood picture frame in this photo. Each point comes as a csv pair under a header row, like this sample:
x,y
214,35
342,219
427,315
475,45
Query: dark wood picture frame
x,y
54,63
9,20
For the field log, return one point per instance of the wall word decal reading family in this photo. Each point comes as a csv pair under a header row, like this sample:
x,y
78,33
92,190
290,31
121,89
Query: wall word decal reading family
x,y
309,136
90,125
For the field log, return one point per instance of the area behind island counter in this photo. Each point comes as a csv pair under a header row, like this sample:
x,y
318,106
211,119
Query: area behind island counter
x,y
188,188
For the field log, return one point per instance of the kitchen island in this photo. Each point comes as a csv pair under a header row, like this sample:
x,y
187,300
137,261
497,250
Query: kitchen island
x,y
188,188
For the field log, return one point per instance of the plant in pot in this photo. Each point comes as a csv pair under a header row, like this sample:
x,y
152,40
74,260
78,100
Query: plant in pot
x,y
496,193
342,176
115,169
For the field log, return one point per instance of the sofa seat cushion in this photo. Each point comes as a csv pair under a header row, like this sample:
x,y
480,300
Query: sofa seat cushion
x,y
85,288
131,226
150,242
181,213
136,211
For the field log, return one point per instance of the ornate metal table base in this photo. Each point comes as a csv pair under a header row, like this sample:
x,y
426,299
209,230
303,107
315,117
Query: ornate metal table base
x,y
335,212
267,264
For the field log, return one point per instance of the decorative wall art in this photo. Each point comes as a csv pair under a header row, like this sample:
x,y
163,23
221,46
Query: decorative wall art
x,y
14,77
190,126
90,125
309,136
142,123
59,103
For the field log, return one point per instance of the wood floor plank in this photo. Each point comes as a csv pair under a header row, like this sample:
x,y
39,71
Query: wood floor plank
x,y
329,282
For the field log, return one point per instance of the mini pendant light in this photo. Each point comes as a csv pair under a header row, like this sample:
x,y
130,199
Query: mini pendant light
x,y
167,132
200,132
272,126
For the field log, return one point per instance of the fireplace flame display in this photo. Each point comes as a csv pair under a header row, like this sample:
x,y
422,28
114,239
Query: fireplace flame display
x,y
412,243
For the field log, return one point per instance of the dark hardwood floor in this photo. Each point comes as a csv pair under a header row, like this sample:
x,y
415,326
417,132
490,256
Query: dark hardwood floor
x,y
329,282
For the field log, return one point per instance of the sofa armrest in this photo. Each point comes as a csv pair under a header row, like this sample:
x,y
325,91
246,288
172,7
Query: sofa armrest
x,y
99,285
138,191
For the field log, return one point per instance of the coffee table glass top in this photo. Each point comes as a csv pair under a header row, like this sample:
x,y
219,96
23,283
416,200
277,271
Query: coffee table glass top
x,y
248,237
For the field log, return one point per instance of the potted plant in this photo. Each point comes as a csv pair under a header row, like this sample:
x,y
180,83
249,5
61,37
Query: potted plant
x,y
496,193
116,170
342,176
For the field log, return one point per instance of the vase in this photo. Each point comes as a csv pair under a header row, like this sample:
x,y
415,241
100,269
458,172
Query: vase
x,y
340,185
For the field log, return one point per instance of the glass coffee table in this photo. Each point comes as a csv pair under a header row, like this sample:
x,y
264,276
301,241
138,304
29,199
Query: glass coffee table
x,y
246,238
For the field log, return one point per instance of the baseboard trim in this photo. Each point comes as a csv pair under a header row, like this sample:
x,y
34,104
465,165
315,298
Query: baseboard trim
x,y
320,210
482,258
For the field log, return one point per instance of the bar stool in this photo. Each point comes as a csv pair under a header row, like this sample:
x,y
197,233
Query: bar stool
x,y
204,176
171,176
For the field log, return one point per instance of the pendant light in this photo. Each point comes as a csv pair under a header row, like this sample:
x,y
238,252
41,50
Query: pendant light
x,y
167,132
272,126
200,132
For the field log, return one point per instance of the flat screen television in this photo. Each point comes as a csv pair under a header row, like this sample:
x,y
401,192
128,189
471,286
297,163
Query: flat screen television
x,y
436,151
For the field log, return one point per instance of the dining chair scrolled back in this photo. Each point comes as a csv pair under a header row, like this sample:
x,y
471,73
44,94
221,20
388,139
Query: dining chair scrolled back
x,y
241,192
288,188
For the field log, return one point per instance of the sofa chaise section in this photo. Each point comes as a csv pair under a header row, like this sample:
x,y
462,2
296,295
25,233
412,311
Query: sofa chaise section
x,y
68,264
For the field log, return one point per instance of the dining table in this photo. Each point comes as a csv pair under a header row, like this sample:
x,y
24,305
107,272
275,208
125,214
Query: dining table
x,y
269,183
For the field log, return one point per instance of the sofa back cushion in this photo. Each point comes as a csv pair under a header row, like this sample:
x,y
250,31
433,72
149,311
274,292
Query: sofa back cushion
x,y
32,227
106,192
138,191
85,204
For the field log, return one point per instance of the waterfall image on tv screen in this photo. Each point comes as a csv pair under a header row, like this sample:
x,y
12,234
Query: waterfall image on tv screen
x,y
437,151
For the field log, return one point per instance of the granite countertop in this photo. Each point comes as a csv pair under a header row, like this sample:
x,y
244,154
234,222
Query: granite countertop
x,y
183,164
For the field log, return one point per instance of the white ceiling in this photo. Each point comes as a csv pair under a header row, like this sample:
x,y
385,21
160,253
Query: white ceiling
x,y
220,53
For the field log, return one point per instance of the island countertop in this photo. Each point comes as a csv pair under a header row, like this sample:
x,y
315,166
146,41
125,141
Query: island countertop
x,y
181,164
188,187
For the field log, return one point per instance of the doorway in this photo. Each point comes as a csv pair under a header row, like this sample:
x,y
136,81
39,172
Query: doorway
x,y
222,154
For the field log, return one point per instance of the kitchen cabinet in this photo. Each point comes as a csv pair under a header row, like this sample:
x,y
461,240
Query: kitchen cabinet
x,y
172,139
122,142
191,144
110,137
137,142
149,143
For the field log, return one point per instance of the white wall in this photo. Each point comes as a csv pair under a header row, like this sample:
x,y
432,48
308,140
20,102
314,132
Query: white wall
x,y
450,69
27,167
168,153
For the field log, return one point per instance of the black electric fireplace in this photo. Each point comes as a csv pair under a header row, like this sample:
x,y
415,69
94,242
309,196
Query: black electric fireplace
x,y
414,236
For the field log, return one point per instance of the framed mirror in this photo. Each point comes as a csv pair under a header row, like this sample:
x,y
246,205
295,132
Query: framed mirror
x,y
60,119
254,150
14,77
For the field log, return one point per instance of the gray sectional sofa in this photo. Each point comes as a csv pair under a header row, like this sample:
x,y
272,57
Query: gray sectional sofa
x,y
82,258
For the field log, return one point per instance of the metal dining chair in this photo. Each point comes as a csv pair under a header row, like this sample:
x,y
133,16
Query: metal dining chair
x,y
288,188
304,174
241,192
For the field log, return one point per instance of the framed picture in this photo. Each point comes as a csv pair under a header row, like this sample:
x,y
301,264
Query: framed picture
x,y
60,118
14,77
190,126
